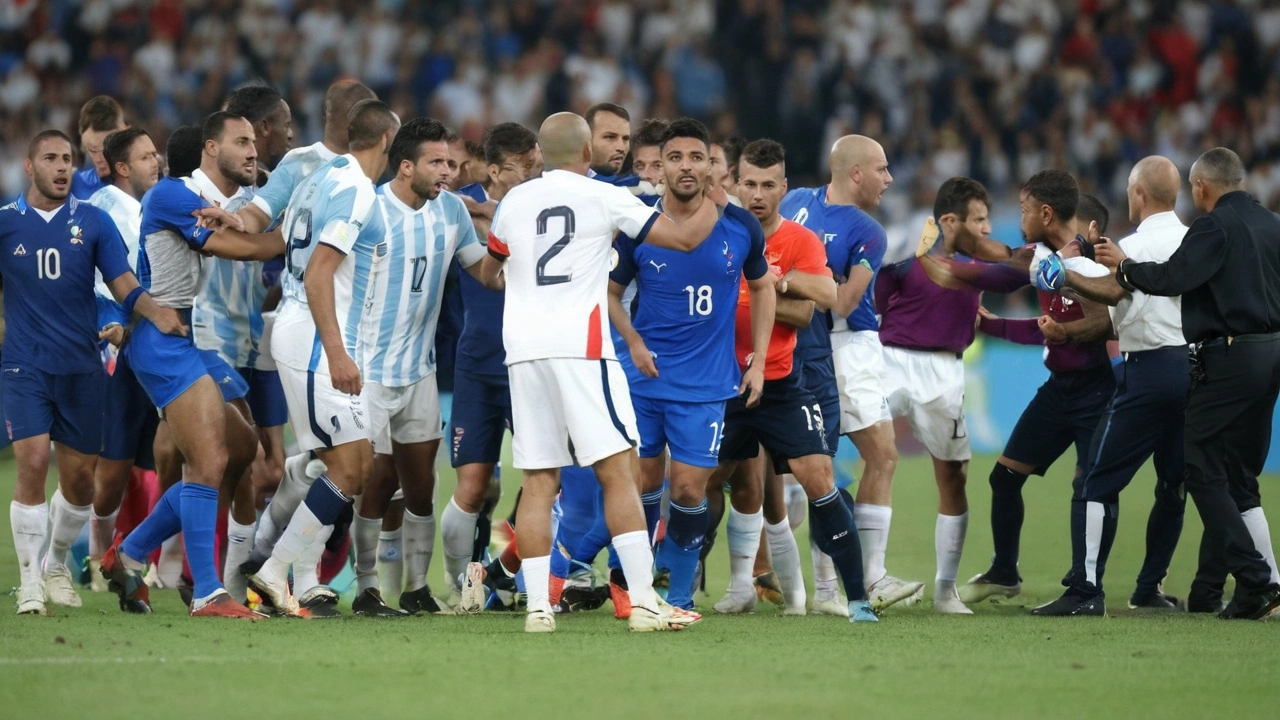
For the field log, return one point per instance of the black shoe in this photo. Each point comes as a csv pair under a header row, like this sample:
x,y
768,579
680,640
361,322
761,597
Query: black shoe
x,y
1072,603
253,564
370,604
419,601
497,579
1205,606
186,589
1252,607
1154,601
582,599
321,603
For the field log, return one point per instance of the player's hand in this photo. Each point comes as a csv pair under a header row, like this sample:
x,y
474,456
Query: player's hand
x,y
1051,274
752,383
1108,253
1053,331
983,314
169,322
215,218
115,333
344,373
643,360
477,209
1022,257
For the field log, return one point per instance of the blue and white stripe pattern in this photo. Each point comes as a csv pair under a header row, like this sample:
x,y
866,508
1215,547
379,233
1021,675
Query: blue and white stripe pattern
x,y
229,307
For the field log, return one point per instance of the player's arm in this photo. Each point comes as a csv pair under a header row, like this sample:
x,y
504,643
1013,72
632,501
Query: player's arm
x,y
821,290
621,320
318,282
850,293
488,271
270,200
764,299
795,312
1095,326
1099,289
863,262
233,244
1195,261
684,235
133,298
1021,331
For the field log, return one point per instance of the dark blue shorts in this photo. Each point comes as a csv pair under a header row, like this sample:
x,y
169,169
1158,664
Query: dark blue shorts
x,y
266,397
1065,411
129,419
692,430
481,413
788,422
66,407
819,376
167,365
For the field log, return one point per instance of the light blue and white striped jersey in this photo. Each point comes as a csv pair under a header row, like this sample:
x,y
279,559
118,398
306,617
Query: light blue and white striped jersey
x,y
336,206
126,213
221,319
296,166
407,285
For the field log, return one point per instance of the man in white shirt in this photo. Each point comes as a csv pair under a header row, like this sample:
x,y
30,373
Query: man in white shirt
x,y
1145,416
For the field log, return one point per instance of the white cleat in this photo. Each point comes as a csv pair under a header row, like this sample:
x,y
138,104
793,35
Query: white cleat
x,y
664,617
833,605
31,599
541,620
915,598
946,601
791,610
97,583
889,590
58,589
275,593
732,604
473,592
981,586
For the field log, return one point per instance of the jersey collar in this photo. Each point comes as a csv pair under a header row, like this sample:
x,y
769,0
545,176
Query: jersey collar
x,y
208,190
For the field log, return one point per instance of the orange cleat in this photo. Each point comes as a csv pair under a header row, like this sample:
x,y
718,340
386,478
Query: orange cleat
x,y
619,595
224,606
135,596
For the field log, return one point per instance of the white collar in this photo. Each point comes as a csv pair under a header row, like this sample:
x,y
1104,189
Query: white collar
x,y
1159,220
208,190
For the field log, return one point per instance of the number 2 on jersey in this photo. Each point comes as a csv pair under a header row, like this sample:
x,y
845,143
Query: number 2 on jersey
x,y
565,213
301,224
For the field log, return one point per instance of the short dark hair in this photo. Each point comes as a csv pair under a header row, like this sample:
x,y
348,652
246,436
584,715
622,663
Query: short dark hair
x,y
101,113
686,127
955,195
41,137
506,139
649,134
474,149
1091,209
1057,189
733,146
184,150
119,144
611,108
216,124
368,122
1221,167
254,102
407,144
342,96
763,153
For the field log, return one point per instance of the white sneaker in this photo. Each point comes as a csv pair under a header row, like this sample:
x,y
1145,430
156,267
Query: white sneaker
x,y
889,590
275,592
31,599
541,620
97,583
832,605
736,604
58,588
473,592
946,601
664,617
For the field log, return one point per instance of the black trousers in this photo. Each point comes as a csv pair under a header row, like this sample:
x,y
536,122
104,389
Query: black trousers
x,y
1228,435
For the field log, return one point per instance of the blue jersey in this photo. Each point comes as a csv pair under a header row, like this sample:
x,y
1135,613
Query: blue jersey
x,y
686,307
50,309
852,238
480,350
85,183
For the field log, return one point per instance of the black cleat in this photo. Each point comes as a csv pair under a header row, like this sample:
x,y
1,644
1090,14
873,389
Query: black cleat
x,y
186,589
419,601
321,603
1073,604
1253,607
582,599
370,604
1154,601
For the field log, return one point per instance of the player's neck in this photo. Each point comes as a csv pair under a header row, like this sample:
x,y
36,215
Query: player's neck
x,y
371,161
576,168
839,194
1060,237
336,142
771,225
682,209
496,191
39,201
226,186
405,194
123,185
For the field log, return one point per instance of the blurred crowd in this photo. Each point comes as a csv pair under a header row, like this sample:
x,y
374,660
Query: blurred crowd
x,y
994,89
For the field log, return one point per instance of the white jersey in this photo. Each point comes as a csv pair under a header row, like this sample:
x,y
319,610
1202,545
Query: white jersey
x,y
296,166
557,231
223,310
126,213
1142,321
397,338
335,206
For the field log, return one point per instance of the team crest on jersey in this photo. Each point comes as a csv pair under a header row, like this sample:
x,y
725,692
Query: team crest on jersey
x,y
77,235
20,251
728,259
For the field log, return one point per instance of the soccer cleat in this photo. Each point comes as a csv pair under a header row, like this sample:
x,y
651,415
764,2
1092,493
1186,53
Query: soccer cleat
x,y
419,601
58,589
732,604
1257,607
988,584
96,582
370,604
186,589
253,564
794,610
555,590
1073,604
769,589
833,605
579,598
135,596
320,603
619,594
275,595
222,605
1154,601
889,590
31,599
540,620
474,592
861,611
946,601
663,617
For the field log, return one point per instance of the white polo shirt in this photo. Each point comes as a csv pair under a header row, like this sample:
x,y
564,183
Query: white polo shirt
x,y
1147,322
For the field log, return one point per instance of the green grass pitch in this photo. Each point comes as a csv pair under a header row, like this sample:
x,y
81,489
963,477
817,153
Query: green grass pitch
x,y
96,662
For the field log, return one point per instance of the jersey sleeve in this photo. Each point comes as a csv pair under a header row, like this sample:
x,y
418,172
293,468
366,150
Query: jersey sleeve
x,y
468,251
809,254
754,266
273,197
497,244
349,211
109,251
628,214
868,249
175,206
624,266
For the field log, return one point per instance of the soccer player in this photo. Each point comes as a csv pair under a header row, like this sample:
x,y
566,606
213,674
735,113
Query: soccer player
x,y
50,245
841,353
130,420
726,150
680,362
334,231
426,229
192,389
610,143
646,152
554,234
99,117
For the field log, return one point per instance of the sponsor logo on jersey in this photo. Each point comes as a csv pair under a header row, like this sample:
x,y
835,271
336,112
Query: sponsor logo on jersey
x,y
657,266
20,251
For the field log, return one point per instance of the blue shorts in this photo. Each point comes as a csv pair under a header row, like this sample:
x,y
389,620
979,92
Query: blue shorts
x,y
819,376
167,365
481,412
788,422
66,407
1065,411
129,419
691,430
265,396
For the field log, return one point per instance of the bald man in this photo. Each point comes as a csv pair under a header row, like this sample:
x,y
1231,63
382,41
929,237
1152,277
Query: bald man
x,y
1145,416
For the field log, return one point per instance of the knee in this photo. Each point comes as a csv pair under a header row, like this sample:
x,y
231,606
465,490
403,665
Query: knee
x,y
1005,480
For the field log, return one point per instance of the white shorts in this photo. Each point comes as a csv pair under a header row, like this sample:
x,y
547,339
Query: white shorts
x,y
927,388
321,416
564,404
858,362
264,360
403,415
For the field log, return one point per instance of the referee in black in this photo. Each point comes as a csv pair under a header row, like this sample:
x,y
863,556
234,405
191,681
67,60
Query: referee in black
x,y
1227,271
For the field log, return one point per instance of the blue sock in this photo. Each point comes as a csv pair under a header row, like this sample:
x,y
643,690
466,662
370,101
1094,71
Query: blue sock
x,y
326,501
164,522
836,535
686,529
652,502
581,505
199,522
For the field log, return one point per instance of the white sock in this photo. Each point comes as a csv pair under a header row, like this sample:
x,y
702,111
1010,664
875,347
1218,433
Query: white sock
x,y
1094,514
537,581
786,561
364,538
169,568
873,532
30,525
65,523
826,585
391,560
636,558
458,533
744,542
948,544
1256,521
102,532
297,538
239,545
306,572
419,544
292,491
